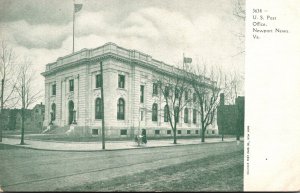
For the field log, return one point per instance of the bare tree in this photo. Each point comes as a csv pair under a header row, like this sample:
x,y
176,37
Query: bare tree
x,y
175,89
233,86
239,9
8,78
207,87
239,13
26,92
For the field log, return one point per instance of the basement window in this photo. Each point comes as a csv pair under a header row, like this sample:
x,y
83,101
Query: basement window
x,y
95,132
123,131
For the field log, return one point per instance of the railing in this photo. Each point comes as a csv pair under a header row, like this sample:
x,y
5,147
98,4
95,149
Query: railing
x,y
107,48
115,49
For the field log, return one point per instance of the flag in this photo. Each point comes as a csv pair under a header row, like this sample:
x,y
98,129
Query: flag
x,y
77,7
187,60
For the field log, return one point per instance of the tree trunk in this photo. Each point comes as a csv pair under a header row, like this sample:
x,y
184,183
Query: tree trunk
x,y
22,127
174,135
203,129
203,135
238,134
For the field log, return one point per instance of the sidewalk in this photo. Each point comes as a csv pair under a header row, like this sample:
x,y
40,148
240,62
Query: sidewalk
x,y
109,145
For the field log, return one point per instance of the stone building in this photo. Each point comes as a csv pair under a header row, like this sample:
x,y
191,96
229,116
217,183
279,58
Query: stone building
x,y
73,94
37,114
230,118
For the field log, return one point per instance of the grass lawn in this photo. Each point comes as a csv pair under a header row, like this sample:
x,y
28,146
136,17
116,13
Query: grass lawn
x,y
214,173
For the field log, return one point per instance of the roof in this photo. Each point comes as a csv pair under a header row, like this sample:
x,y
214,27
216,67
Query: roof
x,y
111,50
42,106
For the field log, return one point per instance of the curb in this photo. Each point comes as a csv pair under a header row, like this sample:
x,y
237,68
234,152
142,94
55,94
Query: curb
x,y
119,149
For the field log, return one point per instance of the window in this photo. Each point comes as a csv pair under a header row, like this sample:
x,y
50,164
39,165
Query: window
x,y
169,132
98,81
177,92
194,116
123,132
121,109
186,115
95,131
71,85
155,88
177,114
121,81
194,97
179,132
186,95
167,91
154,112
157,132
166,113
142,94
53,89
98,108
53,114
188,132
196,131
142,115
213,131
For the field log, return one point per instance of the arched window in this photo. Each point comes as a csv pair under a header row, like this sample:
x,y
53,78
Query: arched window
x,y
194,116
166,113
53,109
121,109
98,109
154,112
186,115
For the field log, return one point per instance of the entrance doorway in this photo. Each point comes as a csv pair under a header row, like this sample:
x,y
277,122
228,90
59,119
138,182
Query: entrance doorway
x,y
71,112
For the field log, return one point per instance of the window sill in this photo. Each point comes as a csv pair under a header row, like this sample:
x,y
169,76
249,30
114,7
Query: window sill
x,y
122,89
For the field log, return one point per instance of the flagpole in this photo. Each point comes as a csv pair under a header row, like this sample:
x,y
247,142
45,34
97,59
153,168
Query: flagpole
x,y
183,61
73,22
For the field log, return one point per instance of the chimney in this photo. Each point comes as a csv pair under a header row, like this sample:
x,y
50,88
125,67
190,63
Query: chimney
x,y
222,100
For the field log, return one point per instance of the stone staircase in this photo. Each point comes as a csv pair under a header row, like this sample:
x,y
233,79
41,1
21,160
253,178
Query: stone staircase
x,y
52,129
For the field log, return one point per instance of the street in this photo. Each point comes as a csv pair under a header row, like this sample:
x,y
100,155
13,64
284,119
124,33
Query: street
x,y
38,170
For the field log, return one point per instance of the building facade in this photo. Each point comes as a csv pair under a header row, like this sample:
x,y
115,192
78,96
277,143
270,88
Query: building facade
x,y
11,119
230,118
73,94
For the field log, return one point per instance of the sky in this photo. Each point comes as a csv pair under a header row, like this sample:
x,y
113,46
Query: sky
x,y
204,30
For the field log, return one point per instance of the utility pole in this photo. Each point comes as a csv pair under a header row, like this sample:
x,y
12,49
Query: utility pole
x,y
23,114
102,106
1,108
